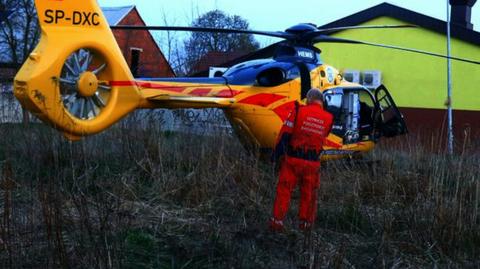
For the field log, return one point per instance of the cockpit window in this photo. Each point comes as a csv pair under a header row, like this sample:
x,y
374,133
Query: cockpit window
x,y
271,77
334,100
293,73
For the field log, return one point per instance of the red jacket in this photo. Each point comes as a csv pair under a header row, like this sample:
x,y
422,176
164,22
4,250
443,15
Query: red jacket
x,y
304,130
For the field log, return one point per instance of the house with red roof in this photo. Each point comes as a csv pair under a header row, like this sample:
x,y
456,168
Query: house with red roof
x,y
139,48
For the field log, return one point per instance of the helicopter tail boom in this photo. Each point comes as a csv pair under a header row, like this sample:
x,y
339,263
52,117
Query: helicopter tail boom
x,y
66,80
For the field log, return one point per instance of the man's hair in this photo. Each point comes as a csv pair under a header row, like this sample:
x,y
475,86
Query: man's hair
x,y
314,95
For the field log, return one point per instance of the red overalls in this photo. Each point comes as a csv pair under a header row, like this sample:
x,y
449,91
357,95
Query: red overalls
x,y
301,164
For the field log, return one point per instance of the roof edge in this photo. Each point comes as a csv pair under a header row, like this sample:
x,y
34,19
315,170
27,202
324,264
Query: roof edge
x,y
400,13
129,7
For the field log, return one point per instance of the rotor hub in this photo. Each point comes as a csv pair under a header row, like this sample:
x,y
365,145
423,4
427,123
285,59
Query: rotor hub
x,y
302,28
87,84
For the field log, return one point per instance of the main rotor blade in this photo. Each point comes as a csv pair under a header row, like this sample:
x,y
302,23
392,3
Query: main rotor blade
x,y
205,30
335,29
329,39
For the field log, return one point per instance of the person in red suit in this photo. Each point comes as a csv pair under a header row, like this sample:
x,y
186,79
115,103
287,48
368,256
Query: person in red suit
x,y
298,148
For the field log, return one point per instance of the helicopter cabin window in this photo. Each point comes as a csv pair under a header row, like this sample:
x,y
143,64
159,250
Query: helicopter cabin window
x,y
352,110
135,60
293,73
271,77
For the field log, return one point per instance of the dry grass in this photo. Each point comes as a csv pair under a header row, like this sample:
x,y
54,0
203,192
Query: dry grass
x,y
143,198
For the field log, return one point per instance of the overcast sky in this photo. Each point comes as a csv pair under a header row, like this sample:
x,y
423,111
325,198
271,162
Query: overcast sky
x,y
278,14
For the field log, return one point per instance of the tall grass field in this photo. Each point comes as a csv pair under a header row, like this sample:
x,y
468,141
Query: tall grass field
x,y
137,196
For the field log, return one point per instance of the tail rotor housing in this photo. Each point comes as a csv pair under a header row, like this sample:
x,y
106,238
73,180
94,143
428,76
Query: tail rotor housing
x,y
69,79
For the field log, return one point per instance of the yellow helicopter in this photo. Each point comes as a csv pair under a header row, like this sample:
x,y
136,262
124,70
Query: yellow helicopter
x,y
77,81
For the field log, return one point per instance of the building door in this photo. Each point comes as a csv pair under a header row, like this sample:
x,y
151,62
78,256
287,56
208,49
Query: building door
x,y
135,61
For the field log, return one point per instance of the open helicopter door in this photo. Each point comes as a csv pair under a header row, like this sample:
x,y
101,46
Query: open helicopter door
x,y
389,121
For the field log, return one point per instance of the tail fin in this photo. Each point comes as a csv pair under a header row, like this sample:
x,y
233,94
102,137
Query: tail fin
x,y
67,79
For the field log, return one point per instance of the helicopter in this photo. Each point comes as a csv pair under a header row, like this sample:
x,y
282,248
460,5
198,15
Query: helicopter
x,y
77,81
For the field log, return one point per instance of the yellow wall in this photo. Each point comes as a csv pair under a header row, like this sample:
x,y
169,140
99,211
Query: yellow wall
x,y
414,80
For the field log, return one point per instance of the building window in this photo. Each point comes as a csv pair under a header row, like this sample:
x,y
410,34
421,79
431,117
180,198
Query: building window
x,y
135,60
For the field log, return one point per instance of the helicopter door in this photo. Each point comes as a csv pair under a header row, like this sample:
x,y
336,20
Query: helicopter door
x,y
345,107
389,120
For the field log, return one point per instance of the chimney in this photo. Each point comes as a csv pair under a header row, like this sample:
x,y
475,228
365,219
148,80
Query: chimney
x,y
462,12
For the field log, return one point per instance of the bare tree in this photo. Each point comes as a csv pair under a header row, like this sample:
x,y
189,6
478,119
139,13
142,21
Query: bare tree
x,y
171,43
184,50
19,32
199,44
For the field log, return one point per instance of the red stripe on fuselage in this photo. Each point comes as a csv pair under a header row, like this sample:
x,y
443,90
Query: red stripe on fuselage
x,y
284,110
122,83
262,99
332,144
149,85
227,93
201,92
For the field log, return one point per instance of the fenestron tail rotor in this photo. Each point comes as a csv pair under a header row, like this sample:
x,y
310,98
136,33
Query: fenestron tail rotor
x,y
84,96
76,79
